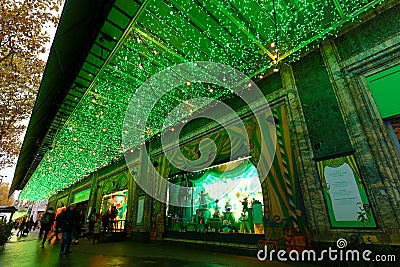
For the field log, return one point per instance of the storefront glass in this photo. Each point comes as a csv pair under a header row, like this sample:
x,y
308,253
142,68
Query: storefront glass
x,y
227,198
115,205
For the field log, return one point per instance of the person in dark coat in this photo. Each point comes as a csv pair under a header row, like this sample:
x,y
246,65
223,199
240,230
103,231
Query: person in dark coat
x,y
22,227
80,219
68,221
92,220
16,224
113,215
35,225
45,223
57,229
30,224
106,222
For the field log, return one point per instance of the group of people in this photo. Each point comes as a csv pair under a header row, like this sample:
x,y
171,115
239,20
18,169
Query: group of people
x,y
95,226
108,219
69,221
25,226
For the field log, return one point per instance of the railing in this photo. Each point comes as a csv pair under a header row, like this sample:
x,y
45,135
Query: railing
x,y
117,226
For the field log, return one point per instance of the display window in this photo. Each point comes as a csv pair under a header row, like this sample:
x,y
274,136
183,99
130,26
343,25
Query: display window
x,y
225,198
114,206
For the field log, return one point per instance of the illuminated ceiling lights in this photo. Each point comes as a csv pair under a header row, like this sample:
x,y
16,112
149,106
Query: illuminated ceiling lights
x,y
252,36
274,45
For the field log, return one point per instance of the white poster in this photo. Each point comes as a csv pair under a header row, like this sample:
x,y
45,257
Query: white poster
x,y
140,211
343,191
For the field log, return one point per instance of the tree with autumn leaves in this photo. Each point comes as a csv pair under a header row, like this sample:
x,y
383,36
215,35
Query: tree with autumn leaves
x,y
5,200
23,37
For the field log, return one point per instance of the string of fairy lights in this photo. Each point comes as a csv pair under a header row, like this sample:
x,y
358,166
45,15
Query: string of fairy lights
x,y
249,35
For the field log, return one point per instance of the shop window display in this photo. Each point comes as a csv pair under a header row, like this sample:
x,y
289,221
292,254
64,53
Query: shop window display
x,y
115,206
224,199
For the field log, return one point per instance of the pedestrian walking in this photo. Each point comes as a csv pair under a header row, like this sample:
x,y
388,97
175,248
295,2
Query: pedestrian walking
x,y
80,219
30,224
35,225
57,229
97,231
68,221
45,224
92,220
16,224
22,227
106,222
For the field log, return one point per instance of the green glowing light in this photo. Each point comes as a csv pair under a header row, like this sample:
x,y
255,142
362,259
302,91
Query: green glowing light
x,y
237,33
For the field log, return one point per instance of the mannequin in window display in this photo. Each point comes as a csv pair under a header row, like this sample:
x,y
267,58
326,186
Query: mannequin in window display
x,y
228,223
202,223
199,221
177,223
229,218
203,199
215,222
245,204
195,220
216,210
197,217
244,223
247,217
251,215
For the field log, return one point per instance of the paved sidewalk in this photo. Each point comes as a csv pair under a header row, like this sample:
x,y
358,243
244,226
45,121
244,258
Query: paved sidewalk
x,y
27,252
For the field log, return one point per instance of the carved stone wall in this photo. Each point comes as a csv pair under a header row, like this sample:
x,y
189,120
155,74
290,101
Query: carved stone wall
x,y
333,112
368,49
324,120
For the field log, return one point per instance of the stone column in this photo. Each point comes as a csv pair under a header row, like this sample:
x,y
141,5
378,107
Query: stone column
x,y
131,198
93,193
378,166
308,177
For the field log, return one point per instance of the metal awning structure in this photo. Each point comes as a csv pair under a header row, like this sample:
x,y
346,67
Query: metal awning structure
x,y
4,210
105,50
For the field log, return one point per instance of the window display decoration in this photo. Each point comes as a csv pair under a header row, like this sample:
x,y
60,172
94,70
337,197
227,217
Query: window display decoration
x,y
116,202
214,209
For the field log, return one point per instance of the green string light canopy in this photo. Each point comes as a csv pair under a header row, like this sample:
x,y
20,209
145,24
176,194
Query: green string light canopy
x,y
238,33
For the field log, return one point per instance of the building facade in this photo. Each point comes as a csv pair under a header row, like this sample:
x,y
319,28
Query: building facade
x,y
335,172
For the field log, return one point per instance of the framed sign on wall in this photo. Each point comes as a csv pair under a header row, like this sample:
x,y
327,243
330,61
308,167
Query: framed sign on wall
x,y
344,193
140,210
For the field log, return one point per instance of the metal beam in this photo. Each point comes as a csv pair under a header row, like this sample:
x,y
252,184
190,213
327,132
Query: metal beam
x,y
120,41
339,9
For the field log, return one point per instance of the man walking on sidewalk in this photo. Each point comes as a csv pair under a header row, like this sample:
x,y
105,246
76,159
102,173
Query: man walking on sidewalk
x,y
45,224
68,221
